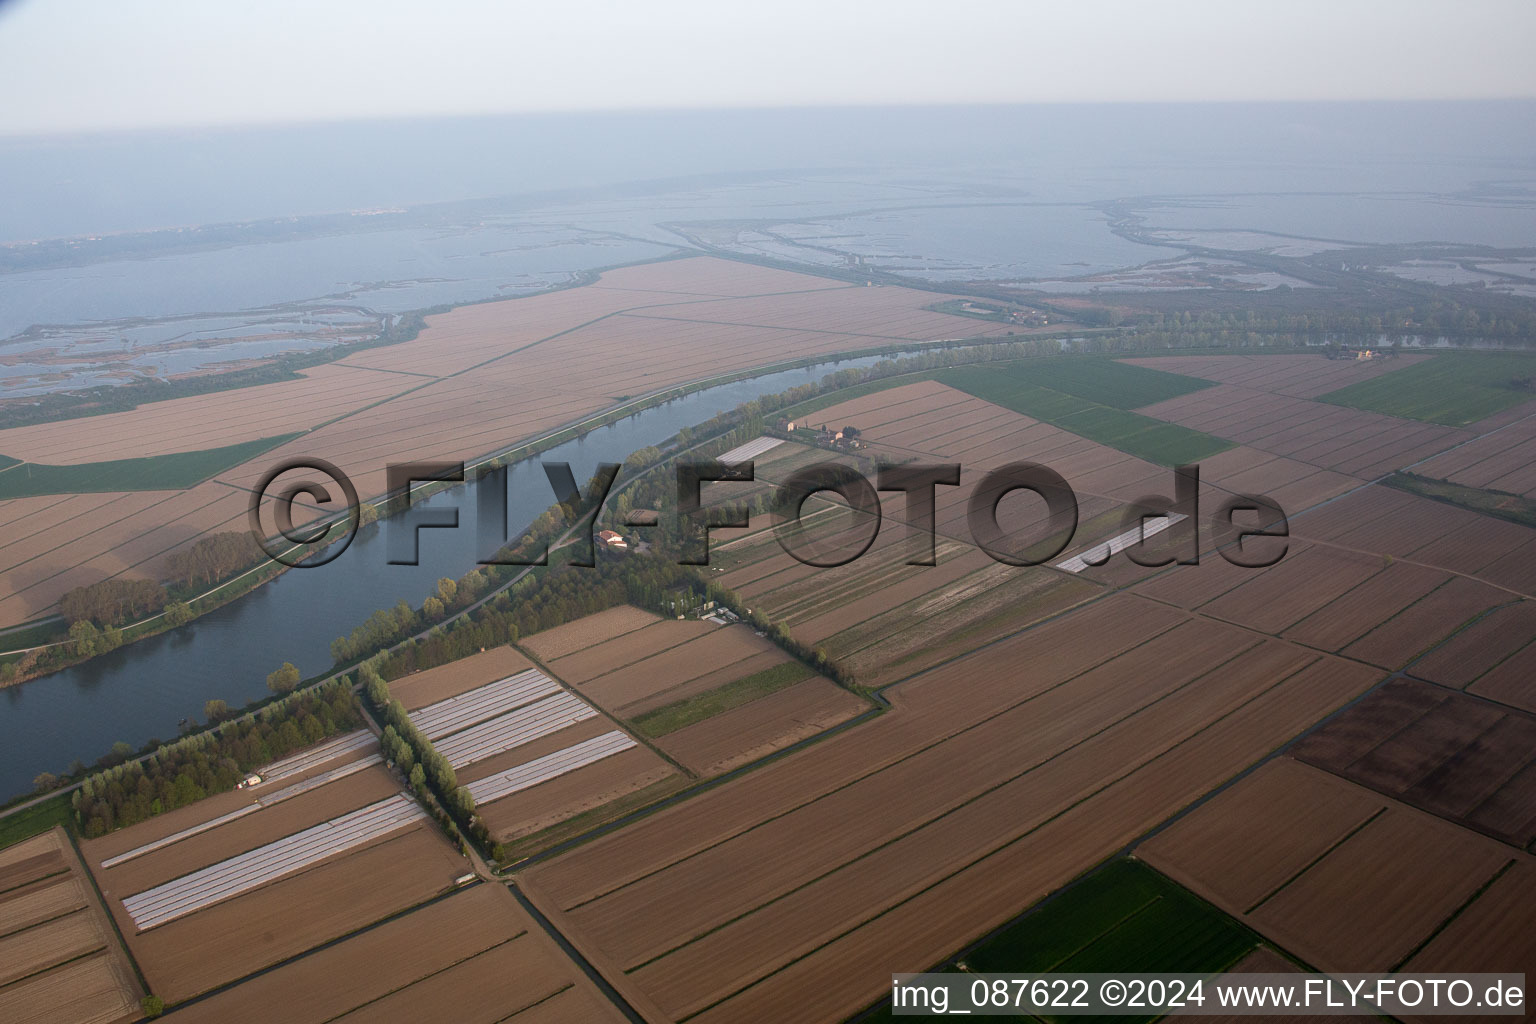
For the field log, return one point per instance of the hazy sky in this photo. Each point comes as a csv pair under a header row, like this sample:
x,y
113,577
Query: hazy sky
x,y
72,65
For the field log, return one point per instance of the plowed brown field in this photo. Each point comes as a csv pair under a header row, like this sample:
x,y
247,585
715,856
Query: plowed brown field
x,y
628,648
60,940
59,960
434,684
587,788
588,631
659,663
711,652
393,971
1345,878
230,940
757,729
974,764
1468,760
40,901
1248,841
1494,933
92,990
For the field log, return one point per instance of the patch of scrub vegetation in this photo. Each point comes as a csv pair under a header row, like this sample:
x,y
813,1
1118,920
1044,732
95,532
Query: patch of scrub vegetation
x,y
1013,386
1452,389
172,472
674,716
1121,918
1500,504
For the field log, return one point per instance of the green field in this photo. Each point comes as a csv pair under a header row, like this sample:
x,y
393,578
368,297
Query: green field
x,y
1018,386
36,820
1122,918
173,472
1453,389
689,710
1107,382
1089,395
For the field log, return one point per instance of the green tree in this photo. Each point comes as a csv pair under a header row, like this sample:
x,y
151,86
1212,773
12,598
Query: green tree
x,y
153,1006
111,640
284,679
215,711
45,782
178,613
83,639
446,590
432,609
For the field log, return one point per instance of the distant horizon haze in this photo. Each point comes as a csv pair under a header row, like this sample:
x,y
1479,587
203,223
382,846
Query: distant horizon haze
x,y
166,178
73,66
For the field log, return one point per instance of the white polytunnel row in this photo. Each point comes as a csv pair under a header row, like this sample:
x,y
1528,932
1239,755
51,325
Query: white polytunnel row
x,y
255,868
542,769
449,716
276,797
318,754
514,729
751,450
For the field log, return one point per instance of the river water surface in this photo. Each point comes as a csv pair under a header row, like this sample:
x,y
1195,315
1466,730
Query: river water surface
x,y
143,690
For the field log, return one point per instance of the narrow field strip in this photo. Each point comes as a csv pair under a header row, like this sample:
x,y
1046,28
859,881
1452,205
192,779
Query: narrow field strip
x,y
255,868
308,758
316,781
514,729
541,769
475,706
176,837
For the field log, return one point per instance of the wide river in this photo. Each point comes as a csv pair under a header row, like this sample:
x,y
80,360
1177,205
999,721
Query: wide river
x,y
145,689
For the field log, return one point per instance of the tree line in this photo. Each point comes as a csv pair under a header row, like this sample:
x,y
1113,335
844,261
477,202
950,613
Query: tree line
x,y
214,761
214,557
116,601
541,601
112,602
428,771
